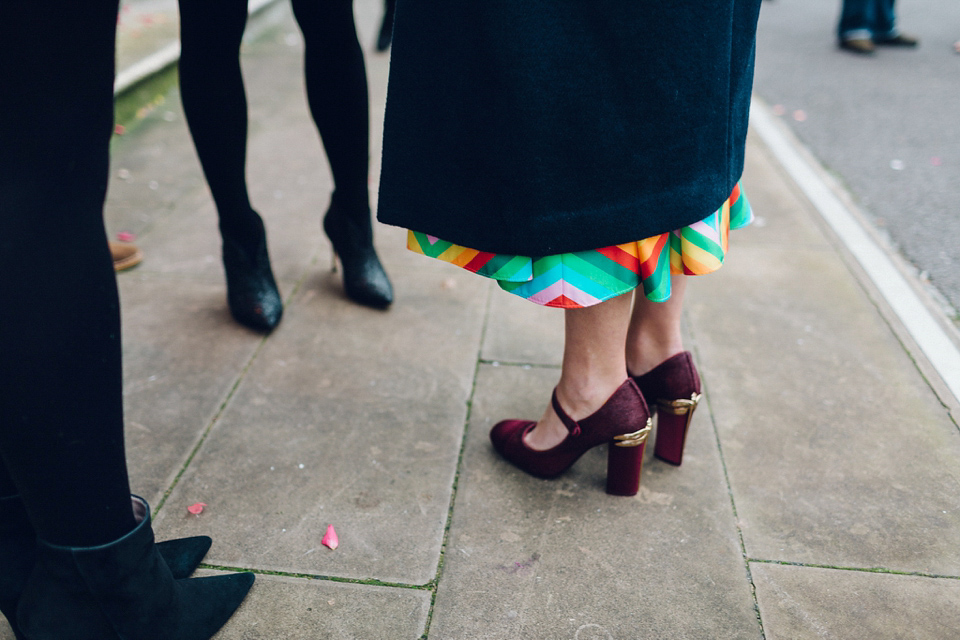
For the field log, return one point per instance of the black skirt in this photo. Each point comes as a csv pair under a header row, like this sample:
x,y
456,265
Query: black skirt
x,y
538,127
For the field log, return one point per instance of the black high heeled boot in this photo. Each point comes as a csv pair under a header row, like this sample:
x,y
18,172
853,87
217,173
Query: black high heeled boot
x,y
18,543
252,293
123,590
364,279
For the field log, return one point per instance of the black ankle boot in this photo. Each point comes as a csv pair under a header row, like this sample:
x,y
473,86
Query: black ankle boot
x,y
364,279
18,543
252,293
123,590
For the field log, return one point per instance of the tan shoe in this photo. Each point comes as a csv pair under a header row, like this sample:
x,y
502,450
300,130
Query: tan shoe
x,y
124,255
862,46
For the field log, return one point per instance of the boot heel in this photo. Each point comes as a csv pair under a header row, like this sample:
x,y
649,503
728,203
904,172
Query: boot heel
x,y
625,462
672,426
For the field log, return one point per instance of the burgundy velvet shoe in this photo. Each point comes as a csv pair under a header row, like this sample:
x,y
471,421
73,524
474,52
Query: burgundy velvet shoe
x,y
673,389
623,421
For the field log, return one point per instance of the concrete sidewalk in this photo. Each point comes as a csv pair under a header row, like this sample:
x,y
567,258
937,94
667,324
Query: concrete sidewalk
x,y
818,499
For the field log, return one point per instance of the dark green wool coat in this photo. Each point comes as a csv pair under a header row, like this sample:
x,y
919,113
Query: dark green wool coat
x,y
537,127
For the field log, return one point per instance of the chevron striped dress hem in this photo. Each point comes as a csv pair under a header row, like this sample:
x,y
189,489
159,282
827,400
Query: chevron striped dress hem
x,y
585,278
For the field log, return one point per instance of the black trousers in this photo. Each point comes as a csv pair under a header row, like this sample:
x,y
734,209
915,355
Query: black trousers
x,y
61,414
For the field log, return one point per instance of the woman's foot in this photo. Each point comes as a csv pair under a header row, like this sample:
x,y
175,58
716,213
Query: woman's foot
x,y
550,430
622,421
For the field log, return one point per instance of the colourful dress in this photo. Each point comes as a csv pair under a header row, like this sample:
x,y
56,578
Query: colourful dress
x,y
584,278
571,150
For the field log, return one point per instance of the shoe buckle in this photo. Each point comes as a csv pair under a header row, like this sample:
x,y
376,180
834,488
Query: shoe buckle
x,y
682,406
636,438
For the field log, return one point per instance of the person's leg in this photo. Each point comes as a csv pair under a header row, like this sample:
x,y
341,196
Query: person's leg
x,y
654,333
97,572
215,104
885,31
61,435
214,101
594,366
663,371
856,17
884,20
336,82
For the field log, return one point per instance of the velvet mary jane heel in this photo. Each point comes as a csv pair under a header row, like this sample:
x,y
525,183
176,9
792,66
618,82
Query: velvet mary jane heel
x,y
623,422
673,390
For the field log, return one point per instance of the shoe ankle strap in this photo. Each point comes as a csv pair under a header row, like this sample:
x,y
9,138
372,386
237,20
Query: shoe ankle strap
x,y
567,421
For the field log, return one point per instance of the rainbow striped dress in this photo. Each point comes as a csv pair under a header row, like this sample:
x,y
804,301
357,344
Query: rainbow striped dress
x,y
584,278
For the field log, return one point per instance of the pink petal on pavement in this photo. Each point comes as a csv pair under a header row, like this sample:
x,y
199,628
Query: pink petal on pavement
x,y
330,539
125,236
197,509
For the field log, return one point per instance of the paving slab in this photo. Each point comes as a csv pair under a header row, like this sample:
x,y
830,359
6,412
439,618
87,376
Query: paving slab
x,y
546,559
807,602
521,332
182,356
838,451
348,416
783,217
281,607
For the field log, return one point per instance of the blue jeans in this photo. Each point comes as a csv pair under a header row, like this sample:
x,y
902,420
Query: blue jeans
x,y
867,19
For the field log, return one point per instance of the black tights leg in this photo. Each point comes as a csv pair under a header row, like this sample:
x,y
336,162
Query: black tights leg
x,y
61,416
214,101
336,80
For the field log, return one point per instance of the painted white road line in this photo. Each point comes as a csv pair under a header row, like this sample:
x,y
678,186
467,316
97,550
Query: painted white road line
x,y
912,312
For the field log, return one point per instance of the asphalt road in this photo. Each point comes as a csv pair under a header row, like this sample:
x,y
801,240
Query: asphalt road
x,y
887,125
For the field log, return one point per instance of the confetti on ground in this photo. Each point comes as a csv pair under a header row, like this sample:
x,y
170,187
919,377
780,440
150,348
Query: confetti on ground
x,y
897,165
935,161
778,109
799,115
197,509
330,539
119,130
126,236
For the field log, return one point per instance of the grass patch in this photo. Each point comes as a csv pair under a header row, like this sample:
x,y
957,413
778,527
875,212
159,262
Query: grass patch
x,y
134,106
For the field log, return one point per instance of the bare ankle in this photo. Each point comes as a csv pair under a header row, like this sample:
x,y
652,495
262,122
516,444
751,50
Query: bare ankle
x,y
582,398
644,359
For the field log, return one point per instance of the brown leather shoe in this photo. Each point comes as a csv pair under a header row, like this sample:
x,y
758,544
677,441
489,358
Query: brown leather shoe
x,y
862,46
899,40
124,255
